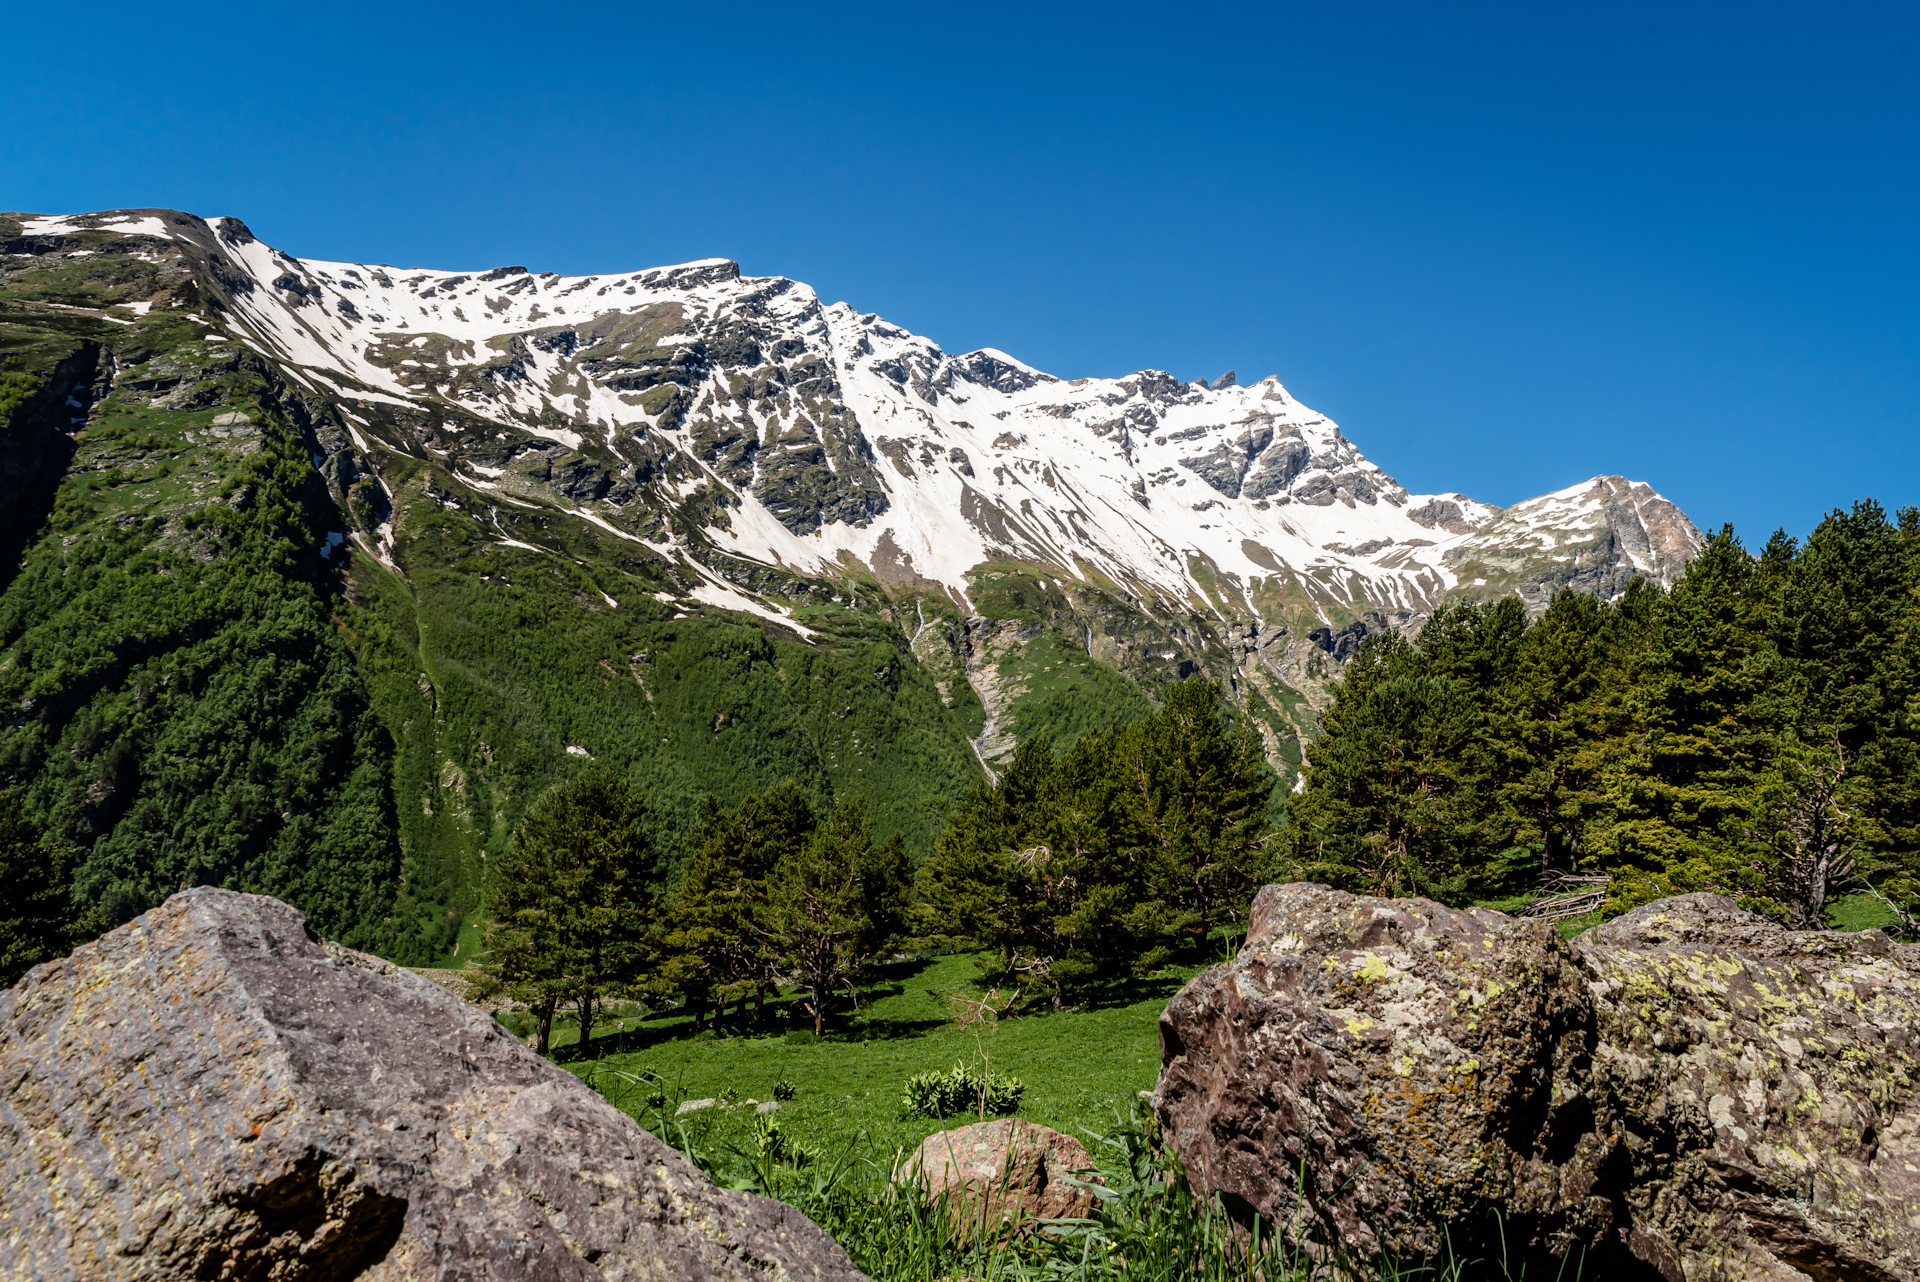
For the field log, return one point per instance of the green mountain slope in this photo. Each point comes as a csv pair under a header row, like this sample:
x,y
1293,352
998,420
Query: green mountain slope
x,y
305,596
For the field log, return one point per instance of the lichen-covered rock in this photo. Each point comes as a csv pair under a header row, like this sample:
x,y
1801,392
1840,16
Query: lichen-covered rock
x,y
1689,1092
1007,1168
1369,1069
1765,1081
211,1092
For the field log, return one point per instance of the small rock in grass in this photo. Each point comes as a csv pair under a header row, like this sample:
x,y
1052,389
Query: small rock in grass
x,y
694,1106
771,1106
1006,1169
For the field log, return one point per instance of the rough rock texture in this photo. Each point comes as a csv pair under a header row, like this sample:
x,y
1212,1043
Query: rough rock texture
x,y
1689,1092
1404,1052
1007,1168
211,1092
1594,537
1766,1081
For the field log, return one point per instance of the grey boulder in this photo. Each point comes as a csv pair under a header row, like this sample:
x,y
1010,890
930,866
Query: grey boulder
x,y
1689,1092
211,1091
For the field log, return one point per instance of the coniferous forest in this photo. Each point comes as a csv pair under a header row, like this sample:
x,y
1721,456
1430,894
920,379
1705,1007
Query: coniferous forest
x,y
1755,731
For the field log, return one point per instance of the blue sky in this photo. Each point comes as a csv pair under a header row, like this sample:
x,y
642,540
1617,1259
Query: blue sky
x,y
1507,247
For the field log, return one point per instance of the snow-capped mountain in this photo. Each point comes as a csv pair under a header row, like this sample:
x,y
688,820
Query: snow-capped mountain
x,y
691,403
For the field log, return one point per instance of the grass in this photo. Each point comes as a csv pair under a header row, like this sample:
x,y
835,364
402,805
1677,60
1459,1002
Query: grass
x,y
1065,692
1861,912
466,945
832,1147
1076,1068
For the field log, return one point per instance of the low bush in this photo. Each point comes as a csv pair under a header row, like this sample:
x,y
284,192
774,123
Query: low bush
x,y
961,1089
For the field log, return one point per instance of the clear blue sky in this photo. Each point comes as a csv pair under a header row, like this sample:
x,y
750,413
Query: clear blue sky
x,y
1507,247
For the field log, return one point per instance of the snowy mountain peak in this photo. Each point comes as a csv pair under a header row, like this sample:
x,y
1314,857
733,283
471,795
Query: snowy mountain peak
x,y
690,404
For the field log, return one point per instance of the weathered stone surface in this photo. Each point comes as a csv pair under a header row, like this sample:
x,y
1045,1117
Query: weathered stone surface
x,y
1004,1169
211,1092
1765,1081
1368,1068
1689,1092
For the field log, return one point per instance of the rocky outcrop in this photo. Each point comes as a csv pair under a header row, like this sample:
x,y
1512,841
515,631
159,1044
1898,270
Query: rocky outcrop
x,y
212,1092
1006,1169
1594,538
1689,1092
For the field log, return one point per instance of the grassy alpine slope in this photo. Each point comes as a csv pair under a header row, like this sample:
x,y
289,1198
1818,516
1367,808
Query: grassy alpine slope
x,y
189,711
214,687
831,1147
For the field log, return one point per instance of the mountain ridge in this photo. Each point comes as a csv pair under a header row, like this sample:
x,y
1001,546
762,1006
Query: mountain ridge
x,y
682,522
540,355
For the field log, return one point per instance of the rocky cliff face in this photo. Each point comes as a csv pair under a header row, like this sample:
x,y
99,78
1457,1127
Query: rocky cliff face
x,y
1593,538
1687,1092
211,1092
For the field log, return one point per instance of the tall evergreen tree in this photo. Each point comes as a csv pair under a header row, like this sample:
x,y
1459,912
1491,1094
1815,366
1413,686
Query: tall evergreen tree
x,y
38,922
1559,722
1196,796
1755,731
715,942
1077,870
1849,635
573,901
1396,797
1682,794
835,905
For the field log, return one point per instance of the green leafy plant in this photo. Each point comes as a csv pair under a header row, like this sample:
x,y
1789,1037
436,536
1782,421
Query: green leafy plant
x,y
961,1089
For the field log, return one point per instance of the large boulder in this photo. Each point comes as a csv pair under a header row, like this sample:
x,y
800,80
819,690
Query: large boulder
x,y
1688,1092
213,1092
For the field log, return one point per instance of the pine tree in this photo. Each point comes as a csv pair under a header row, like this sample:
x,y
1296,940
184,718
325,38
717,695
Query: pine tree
x,y
1197,798
573,899
1396,799
1560,721
38,922
1683,792
835,905
1079,870
1849,634
715,942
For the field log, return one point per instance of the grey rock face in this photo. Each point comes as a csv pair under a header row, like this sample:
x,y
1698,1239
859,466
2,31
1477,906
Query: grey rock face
x,y
1594,539
1284,460
1689,1092
211,1092
1442,513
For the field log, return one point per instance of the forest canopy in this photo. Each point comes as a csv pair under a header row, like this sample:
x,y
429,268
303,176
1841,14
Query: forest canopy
x,y
1755,731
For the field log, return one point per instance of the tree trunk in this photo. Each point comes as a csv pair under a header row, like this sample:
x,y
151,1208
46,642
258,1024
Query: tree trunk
x,y
543,1023
819,1012
585,1003
1817,893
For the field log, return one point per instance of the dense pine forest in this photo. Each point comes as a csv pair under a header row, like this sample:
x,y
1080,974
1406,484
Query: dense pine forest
x,y
1755,731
